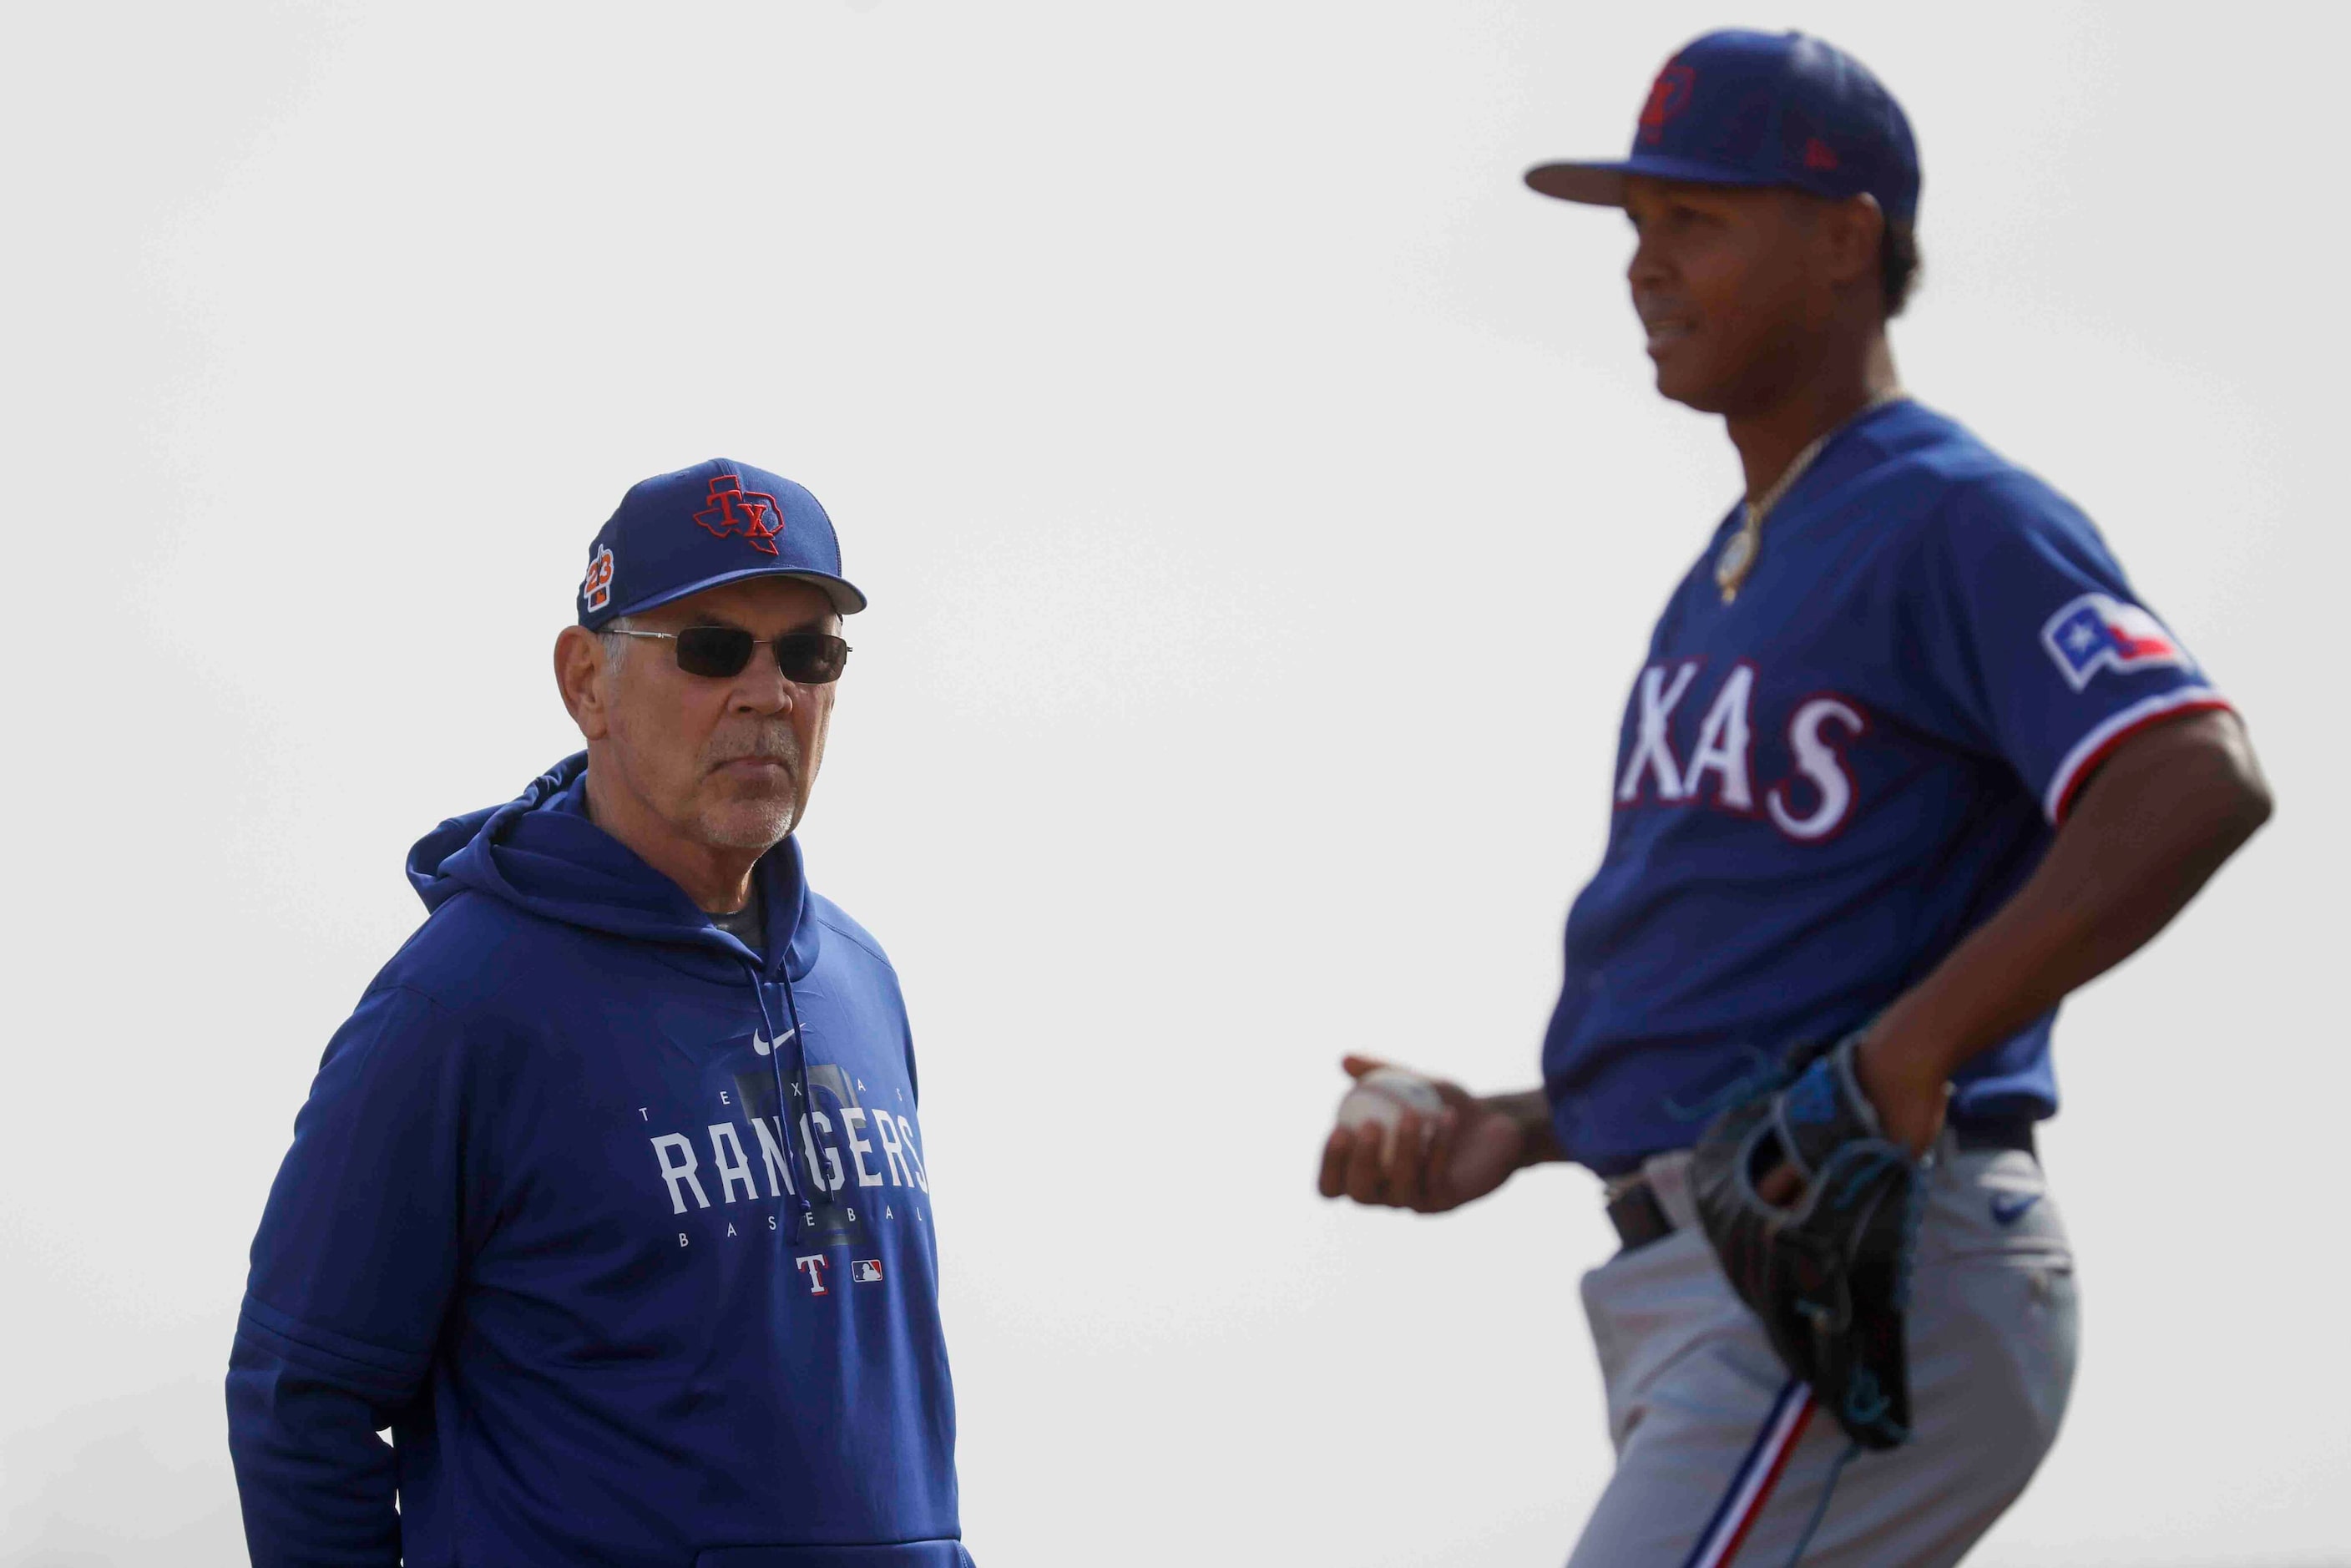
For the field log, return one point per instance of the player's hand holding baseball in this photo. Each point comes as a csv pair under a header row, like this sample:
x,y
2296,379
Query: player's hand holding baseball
x,y
1429,1145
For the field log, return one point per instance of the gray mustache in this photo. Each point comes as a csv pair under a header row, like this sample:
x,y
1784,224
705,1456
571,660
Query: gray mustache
x,y
780,745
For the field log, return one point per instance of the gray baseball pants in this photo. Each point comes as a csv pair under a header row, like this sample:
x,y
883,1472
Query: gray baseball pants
x,y
1719,1454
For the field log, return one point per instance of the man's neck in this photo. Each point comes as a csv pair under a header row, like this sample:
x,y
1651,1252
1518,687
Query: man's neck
x,y
1768,438
718,879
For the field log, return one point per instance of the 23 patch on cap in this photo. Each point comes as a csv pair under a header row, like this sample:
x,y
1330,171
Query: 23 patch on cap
x,y
596,588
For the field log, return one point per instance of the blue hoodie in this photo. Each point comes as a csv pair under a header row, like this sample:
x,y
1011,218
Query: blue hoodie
x,y
542,1219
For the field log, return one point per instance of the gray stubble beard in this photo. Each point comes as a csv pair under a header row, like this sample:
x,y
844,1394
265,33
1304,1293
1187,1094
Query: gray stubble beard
x,y
776,815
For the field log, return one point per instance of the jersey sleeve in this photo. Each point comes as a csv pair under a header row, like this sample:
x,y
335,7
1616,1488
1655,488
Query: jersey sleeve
x,y
2034,640
353,1266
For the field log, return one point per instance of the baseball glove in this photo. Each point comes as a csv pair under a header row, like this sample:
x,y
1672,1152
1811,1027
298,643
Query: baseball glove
x,y
1829,1275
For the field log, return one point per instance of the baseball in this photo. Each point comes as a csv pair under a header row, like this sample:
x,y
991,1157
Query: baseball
x,y
1381,1095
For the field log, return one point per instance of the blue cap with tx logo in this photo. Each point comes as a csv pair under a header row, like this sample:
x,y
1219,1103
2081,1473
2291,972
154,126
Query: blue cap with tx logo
x,y
1737,108
720,521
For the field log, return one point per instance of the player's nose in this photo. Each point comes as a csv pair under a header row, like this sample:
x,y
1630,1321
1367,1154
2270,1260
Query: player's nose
x,y
762,689
1646,270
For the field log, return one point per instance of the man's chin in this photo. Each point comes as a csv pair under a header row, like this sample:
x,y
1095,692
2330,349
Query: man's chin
x,y
749,824
1677,383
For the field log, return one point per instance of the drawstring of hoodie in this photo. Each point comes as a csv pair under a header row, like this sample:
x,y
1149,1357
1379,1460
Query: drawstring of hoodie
x,y
794,1148
799,1071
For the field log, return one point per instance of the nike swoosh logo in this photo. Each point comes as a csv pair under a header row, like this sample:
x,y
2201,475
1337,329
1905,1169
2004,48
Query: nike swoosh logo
x,y
759,1044
2008,1208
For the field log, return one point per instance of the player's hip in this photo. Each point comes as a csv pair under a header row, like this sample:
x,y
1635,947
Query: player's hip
x,y
1696,1390
1695,1387
1992,1253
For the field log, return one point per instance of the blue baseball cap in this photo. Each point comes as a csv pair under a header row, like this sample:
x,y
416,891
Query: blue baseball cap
x,y
1737,108
720,521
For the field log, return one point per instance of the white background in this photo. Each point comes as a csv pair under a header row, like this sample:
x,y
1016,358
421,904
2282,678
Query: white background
x,y
1264,507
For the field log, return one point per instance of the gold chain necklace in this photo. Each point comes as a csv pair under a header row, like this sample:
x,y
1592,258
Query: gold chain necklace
x,y
1740,551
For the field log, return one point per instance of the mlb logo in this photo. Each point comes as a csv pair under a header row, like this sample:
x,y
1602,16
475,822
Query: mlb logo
x,y
2095,633
867,1270
596,588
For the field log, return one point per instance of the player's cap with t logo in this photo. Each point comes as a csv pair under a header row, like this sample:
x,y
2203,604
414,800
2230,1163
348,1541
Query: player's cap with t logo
x,y
720,521
1737,108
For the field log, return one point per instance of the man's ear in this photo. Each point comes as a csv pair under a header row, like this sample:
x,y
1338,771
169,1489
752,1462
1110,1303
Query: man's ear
x,y
584,677
1854,231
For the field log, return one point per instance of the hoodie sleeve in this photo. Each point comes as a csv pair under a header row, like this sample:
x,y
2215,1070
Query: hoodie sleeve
x,y
358,1250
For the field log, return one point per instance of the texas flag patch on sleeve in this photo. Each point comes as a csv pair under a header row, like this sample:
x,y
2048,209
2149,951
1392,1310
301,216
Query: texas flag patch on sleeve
x,y
2097,632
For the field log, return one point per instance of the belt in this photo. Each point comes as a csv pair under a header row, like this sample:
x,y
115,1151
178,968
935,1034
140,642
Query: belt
x,y
2011,1133
1640,1218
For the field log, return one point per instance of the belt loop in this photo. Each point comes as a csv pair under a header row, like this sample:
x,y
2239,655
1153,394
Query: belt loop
x,y
1668,1177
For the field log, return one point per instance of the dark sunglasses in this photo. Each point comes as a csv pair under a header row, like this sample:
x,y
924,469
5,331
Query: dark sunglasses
x,y
806,658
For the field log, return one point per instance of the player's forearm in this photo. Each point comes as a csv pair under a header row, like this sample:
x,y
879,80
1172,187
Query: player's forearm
x,y
1529,1111
316,1482
2148,831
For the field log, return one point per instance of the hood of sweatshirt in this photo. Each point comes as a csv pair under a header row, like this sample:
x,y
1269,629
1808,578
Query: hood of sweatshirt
x,y
541,853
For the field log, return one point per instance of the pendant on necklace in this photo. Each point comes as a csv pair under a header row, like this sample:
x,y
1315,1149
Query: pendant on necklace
x,y
1737,559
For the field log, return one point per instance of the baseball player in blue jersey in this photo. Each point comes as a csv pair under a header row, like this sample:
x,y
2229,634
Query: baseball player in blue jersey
x,y
1907,761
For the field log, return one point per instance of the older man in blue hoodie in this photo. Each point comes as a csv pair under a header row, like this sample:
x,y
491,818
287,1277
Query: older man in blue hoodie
x,y
610,1201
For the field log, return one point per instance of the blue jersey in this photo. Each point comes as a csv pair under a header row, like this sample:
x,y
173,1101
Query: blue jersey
x,y
1824,785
